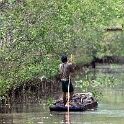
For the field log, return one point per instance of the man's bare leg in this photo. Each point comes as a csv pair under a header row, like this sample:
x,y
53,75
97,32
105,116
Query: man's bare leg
x,y
64,97
71,95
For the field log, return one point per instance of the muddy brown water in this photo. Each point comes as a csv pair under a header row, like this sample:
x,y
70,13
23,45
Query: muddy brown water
x,y
110,109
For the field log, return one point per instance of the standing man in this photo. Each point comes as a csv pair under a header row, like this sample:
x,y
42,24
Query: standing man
x,y
65,70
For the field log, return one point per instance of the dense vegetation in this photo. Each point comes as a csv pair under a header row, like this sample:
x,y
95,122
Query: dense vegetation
x,y
34,34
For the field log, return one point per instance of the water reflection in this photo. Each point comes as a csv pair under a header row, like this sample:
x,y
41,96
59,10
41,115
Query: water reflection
x,y
6,119
67,119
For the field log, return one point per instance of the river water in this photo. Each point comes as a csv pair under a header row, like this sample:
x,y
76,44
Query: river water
x,y
110,109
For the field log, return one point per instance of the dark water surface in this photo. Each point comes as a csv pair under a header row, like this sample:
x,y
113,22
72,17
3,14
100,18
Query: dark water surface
x,y
109,111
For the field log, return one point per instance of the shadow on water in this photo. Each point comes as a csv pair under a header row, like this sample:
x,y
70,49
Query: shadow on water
x,y
110,109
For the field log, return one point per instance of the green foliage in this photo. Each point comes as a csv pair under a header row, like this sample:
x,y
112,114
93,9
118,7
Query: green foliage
x,y
1,98
96,85
35,34
49,102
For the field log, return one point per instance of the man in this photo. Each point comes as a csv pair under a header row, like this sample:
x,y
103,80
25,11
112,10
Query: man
x,y
65,70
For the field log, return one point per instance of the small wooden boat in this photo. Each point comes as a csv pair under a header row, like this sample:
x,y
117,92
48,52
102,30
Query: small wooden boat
x,y
79,102
65,108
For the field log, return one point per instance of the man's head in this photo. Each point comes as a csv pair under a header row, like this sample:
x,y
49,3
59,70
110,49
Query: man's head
x,y
64,58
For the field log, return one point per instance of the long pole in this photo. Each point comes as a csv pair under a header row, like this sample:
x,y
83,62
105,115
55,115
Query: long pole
x,y
68,94
68,98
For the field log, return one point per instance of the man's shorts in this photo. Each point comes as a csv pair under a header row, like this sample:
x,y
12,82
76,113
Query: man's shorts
x,y
65,86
